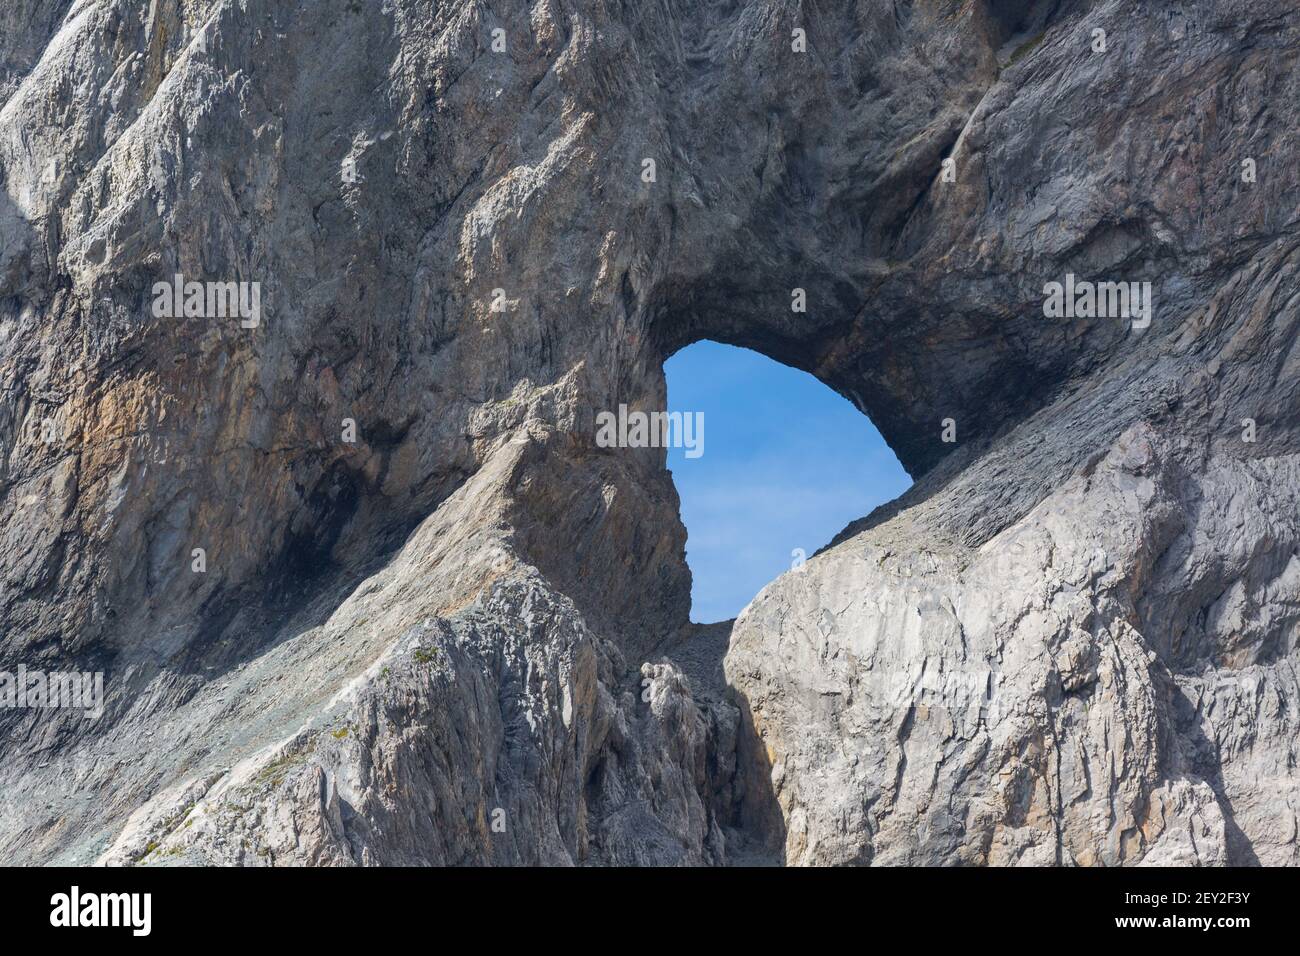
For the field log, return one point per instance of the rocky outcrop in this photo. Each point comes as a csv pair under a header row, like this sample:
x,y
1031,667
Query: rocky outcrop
x,y
363,586
1020,702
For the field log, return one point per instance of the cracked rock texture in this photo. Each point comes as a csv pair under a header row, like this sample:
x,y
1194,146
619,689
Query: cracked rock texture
x,y
463,637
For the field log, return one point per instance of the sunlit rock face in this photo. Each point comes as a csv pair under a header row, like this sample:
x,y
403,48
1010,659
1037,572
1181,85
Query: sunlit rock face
x,y
365,588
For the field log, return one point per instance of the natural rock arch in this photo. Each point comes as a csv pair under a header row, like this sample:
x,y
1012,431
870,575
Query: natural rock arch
x,y
769,464
486,583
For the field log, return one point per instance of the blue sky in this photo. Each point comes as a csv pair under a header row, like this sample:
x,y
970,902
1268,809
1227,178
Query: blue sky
x,y
787,464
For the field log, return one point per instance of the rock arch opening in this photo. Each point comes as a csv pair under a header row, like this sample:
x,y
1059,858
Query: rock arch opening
x,y
785,464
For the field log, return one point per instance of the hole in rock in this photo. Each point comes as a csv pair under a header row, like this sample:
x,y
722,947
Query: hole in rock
x,y
786,464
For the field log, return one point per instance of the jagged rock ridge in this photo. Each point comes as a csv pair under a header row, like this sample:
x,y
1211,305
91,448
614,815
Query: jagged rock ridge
x,y
463,637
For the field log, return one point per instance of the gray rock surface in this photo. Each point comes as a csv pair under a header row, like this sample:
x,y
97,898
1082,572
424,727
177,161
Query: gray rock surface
x,y
463,637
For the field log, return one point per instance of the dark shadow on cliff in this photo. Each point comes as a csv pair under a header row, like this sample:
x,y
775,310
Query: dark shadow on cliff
x,y
744,802
756,829
1193,746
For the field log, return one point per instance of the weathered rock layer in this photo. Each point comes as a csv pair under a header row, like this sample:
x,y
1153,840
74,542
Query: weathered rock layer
x,y
434,622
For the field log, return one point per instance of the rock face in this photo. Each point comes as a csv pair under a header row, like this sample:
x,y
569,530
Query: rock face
x,y
365,590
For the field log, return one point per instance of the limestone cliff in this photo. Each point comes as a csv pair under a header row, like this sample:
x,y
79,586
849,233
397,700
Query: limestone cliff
x,y
365,589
